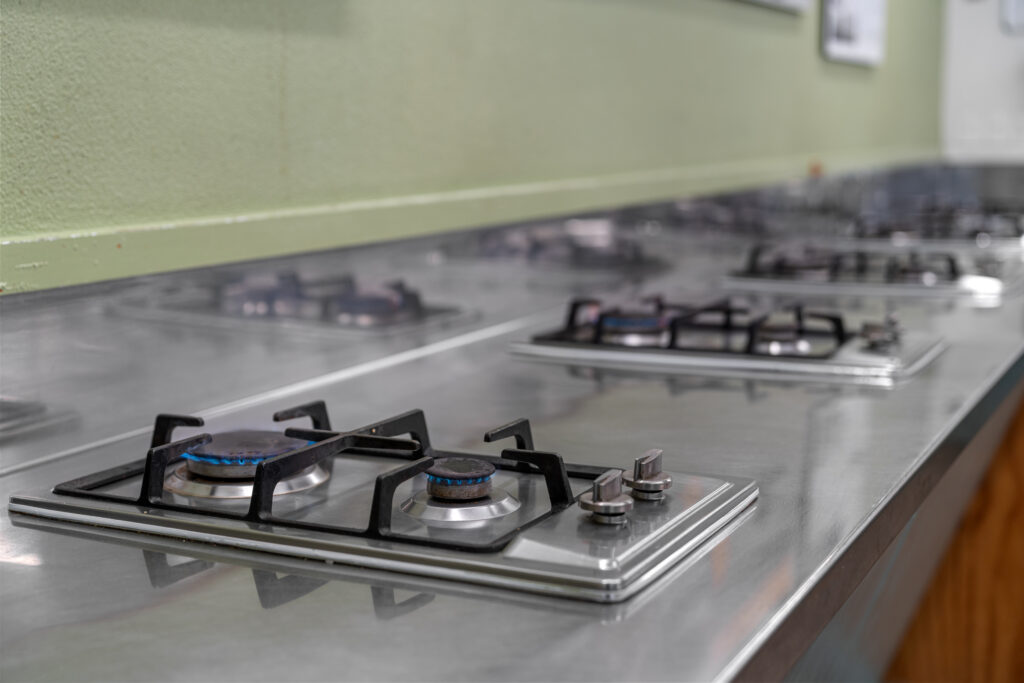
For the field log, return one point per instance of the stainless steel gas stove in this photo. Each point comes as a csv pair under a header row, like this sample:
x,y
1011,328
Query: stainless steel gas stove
x,y
735,336
584,243
19,417
893,270
290,298
525,520
984,225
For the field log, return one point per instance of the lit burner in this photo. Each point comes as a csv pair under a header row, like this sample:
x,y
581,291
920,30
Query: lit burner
x,y
225,467
455,479
234,455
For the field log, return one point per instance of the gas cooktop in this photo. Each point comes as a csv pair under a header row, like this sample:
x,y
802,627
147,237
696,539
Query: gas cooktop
x,y
524,520
19,417
985,225
835,268
584,244
732,336
291,298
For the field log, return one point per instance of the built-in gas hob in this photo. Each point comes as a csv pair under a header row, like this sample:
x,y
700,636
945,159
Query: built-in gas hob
x,y
584,244
291,298
894,271
19,417
382,497
734,336
985,225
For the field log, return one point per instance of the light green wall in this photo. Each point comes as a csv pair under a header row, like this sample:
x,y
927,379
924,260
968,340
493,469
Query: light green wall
x,y
146,135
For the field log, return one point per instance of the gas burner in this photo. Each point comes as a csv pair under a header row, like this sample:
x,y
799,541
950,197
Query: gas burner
x,y
235,455
459,479
184,482
225,466
465,514
727,337
644,324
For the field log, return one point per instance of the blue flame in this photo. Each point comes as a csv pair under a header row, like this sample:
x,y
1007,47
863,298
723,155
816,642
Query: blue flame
x,y
646,321
213,460
457,482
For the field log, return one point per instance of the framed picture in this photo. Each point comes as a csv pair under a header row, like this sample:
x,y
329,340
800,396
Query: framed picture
x,y
1013,16
788,5
853,31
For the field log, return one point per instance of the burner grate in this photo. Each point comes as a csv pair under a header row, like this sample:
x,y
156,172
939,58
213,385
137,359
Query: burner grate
x,y
376,440
718,327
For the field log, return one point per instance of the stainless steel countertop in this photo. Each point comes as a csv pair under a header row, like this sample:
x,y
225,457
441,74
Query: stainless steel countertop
x,y
831,463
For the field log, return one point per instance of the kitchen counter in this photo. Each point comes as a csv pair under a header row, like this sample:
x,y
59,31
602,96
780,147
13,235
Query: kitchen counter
x,y
844,472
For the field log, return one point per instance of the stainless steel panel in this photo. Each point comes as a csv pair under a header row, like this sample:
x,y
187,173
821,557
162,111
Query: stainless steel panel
x,y
841,470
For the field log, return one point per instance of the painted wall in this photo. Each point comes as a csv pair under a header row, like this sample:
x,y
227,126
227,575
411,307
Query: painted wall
x,y
983,93
146,135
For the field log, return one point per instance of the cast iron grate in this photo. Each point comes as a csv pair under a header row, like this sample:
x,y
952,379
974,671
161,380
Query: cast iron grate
x,y
376,440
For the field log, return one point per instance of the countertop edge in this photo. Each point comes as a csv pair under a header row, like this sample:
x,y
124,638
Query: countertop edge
x,y
789,635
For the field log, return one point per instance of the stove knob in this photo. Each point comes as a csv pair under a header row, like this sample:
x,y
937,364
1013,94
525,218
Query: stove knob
x,y
648,481
606,500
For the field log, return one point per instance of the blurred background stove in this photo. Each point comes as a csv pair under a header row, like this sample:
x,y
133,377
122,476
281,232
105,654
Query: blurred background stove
x,y
579,244
735,336
925,270
984,225
19,417
291,298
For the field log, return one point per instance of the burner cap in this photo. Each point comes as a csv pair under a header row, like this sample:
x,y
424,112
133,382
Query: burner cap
x,y
234,455
457,479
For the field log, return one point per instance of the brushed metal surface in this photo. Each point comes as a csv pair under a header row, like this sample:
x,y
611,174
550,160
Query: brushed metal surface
x,y
841,470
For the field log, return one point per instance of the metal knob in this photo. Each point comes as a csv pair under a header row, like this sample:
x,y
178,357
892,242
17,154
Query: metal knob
x,y
648,481
606,500
881,336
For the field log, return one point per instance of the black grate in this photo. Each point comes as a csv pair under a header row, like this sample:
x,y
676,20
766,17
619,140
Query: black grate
x,y
721,326
377,440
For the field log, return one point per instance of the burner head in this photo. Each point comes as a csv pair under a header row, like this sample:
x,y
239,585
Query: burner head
x,y
634,329
235,455
457,479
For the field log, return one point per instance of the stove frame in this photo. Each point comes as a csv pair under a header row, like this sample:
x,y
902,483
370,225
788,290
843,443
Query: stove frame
x,y
552,549
673,319
844,363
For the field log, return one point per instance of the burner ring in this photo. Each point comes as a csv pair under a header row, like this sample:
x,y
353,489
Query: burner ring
x,y
457,479
460,515
183,482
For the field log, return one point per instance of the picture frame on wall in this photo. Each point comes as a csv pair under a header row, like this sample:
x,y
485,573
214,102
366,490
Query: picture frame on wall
x,y
1012,16
787,5
853,31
